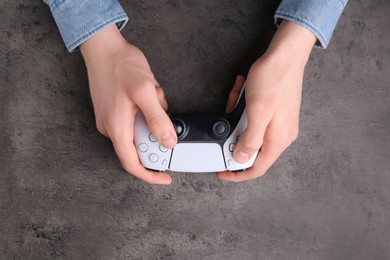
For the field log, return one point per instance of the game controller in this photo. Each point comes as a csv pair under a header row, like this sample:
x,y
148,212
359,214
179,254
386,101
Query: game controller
x,y
205,142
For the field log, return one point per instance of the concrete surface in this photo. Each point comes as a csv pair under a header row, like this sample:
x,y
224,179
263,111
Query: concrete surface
x,y
63,194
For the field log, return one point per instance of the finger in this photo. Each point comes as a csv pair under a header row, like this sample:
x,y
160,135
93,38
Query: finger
x,y
127,154
250,141
266,157
235,93
161,98
158,121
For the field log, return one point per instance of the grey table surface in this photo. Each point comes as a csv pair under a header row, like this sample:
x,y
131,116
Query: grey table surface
x,y
63,194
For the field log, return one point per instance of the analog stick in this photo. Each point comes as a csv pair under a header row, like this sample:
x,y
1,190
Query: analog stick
x,y
179,127
220,128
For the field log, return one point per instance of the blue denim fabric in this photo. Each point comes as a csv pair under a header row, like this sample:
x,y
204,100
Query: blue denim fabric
x,y
79,20
318,16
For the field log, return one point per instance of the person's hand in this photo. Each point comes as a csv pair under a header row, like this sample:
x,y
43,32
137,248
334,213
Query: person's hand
x,y
121,82
273,96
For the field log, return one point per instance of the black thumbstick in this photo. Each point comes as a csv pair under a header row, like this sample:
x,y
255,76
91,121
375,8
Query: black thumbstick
x,y
179,127
220,128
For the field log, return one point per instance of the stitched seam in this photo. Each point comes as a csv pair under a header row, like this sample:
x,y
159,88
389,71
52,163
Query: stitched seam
x,y
55,5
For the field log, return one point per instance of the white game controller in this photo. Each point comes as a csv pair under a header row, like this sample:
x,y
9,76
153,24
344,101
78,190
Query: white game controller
x,y
205,142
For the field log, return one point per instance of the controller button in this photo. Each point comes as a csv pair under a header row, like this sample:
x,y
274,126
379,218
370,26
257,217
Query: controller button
x,y
152,138
220,128
164,163
230,162
143,147
153,157
232,146
179,127
163,149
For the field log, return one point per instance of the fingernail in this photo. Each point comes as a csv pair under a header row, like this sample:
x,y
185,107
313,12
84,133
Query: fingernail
x,y
167,140
242,156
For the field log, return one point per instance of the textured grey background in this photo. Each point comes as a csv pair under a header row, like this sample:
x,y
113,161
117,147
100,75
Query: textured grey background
x,y
64,195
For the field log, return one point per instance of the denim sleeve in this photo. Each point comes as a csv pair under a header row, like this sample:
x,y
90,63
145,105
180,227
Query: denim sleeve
x,y
78,20
318,16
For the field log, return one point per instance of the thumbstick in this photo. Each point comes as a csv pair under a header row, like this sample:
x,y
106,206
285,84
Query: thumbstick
x,y
220,128
179,127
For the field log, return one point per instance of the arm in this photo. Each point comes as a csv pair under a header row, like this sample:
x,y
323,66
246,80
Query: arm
x,y
120,78
274,83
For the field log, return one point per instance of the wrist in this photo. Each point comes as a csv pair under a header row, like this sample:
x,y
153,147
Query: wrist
x,y
292,43
104,43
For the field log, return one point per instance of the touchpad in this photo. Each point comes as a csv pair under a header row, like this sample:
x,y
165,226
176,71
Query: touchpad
x,y
190,157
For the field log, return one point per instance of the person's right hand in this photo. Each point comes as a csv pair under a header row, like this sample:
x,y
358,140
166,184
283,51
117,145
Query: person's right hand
x,y
273,92
121,82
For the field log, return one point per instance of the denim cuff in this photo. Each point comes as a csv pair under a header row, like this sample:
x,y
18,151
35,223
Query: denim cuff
x,y
78,21
318,16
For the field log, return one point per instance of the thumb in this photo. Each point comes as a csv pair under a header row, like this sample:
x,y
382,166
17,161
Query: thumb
x,y
251,140
158,121
235,93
